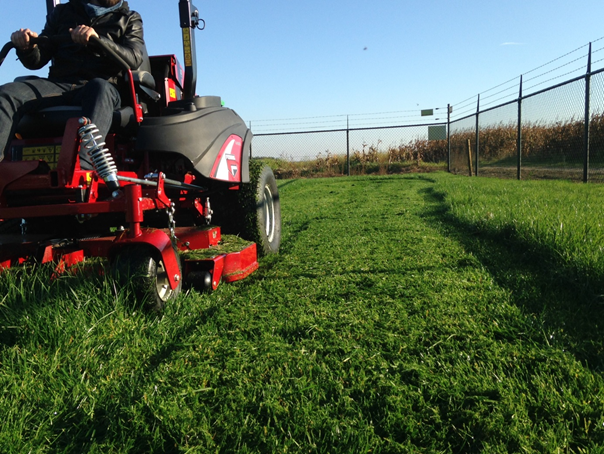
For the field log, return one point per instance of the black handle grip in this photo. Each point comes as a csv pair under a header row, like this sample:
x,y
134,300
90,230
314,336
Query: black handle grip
x,y
42,40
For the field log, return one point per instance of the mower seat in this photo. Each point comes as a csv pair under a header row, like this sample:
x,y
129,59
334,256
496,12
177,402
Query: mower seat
x,y
50,122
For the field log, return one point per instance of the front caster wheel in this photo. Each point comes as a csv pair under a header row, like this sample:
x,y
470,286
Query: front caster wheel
x,y
142,269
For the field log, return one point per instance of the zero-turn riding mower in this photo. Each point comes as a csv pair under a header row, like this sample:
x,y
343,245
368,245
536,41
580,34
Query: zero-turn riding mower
x,y
146,205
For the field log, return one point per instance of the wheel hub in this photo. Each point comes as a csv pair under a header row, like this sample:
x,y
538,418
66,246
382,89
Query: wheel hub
x,y
269,213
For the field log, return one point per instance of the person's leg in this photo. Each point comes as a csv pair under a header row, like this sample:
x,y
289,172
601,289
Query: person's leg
x,y
18,98
99,99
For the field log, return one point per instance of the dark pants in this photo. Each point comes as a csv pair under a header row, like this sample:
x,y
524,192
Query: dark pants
x,y
97,97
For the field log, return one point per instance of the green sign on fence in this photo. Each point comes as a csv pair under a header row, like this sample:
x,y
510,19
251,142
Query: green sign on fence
x,y
437,132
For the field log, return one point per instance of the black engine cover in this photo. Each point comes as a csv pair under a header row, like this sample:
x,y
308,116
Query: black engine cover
x,y
197,133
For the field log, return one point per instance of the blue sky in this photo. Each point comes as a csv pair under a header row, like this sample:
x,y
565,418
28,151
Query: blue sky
x,y
273,60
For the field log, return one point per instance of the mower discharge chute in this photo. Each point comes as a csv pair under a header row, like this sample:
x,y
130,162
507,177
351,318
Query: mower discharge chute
x,y
172,163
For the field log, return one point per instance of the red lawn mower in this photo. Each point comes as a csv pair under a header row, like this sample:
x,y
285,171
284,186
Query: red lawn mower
x,y
146,205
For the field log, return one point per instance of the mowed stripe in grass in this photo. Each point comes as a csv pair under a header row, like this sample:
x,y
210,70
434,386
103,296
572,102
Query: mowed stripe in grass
x,y
381,327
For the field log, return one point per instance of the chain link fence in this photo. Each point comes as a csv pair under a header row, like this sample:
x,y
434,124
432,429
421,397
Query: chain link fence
x,y
539,136
554,133
352,151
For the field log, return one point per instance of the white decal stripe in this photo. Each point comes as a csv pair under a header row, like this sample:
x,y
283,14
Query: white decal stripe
x,y
223,168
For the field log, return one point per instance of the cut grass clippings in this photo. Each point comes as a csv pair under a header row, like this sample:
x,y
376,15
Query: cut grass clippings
x,y
227,244
418,313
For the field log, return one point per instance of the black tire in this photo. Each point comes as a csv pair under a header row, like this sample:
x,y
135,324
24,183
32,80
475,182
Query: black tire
x,y
253,212
142,268
265,221
10,226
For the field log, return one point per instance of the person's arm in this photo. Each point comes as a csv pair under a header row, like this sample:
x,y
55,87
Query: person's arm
x,y
33,56
132,47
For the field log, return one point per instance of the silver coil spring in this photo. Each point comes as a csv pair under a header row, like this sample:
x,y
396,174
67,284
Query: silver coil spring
x,y
99,155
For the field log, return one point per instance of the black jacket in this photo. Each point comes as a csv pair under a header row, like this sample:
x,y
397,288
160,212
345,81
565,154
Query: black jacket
x,y
121,30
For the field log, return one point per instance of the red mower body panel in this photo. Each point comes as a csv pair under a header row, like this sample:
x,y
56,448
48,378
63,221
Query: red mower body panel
x,y
168,152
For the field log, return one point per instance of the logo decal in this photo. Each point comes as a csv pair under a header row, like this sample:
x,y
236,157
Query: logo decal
x,y
228,162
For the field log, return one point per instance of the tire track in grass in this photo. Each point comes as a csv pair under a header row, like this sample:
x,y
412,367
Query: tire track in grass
x,y
374,295
472,350
375,330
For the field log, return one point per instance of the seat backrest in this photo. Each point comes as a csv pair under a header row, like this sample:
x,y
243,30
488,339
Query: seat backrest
x,y
168,75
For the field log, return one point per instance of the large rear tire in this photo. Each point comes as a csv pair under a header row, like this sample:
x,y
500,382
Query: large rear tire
x,y
253,212
265,222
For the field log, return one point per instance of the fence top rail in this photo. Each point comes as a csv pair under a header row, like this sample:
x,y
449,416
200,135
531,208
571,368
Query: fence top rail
x,y
401,126
350,129
513,101
561,84
469,116
298,132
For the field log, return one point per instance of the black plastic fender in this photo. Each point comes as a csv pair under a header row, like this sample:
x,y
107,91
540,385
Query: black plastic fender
x,y
200,135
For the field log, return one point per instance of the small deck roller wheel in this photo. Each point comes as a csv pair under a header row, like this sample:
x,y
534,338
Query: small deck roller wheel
x,y
141,268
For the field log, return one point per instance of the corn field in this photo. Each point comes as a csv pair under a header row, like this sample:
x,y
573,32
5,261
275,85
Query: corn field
x,y
555,145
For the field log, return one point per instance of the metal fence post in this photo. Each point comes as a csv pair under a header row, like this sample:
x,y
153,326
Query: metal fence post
x,y
252,142
586,133
519,136
347,145
449,138
477,133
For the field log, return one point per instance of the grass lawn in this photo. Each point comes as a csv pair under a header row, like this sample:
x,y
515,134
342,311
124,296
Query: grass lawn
x,y
411,313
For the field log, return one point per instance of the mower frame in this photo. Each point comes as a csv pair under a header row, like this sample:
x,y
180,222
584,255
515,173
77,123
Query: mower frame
x,y
53,186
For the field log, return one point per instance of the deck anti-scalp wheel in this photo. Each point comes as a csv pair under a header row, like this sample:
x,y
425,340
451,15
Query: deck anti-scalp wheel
x,y
141,268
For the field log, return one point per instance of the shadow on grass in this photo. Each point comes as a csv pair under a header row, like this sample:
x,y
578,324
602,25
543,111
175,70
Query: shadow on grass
x,y
283,183
101,429
111,423
29,290
566,301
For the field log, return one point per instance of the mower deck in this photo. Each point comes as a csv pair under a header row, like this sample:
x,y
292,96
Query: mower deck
x,y
203,254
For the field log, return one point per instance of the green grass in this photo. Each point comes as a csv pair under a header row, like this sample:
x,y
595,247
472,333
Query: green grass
x,y
227,244
418,313
335,166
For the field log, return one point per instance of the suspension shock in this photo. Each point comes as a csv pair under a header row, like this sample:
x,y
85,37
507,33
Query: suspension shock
x,y
99,155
